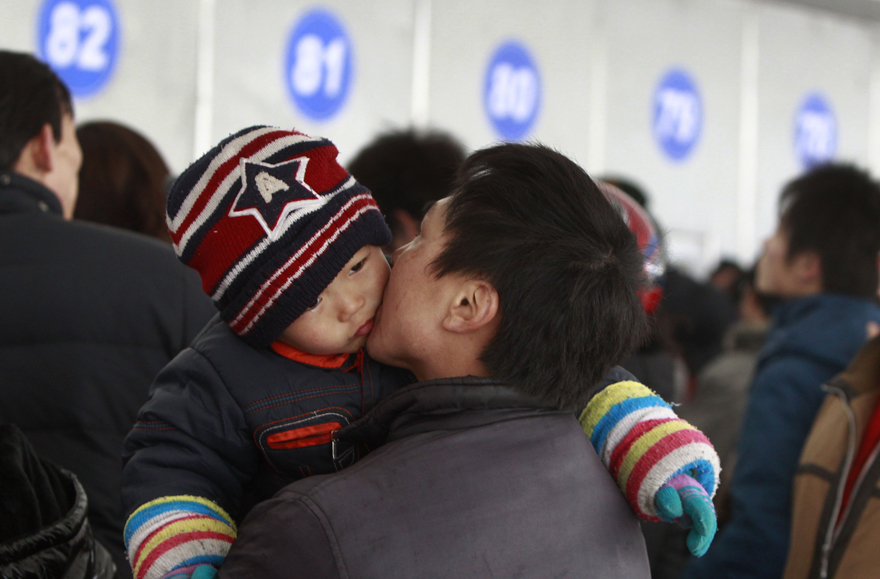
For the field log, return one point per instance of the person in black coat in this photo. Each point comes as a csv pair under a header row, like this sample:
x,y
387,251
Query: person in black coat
x,y
89,314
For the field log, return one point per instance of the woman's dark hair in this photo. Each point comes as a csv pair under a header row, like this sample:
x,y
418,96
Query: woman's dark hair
x,y
834,210
566,268
31,95
122,180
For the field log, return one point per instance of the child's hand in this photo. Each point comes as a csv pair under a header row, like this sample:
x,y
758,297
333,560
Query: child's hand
x,y
684,501
192,572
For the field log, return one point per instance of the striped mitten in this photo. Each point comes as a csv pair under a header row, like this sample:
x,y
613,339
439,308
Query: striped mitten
x,y
173,533
644,444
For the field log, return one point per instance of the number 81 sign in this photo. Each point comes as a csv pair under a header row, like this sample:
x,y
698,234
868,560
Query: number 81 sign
x,y
79,39
319,63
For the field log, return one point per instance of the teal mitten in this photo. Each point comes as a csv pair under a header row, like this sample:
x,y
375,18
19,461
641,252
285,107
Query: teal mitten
x,y
684,501
192,572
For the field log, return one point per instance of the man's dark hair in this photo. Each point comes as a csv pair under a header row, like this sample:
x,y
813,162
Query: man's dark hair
x,y
566,268
408,170
834,210
31,95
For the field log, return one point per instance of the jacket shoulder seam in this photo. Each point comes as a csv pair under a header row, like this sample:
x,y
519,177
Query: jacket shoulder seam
x,y
330,535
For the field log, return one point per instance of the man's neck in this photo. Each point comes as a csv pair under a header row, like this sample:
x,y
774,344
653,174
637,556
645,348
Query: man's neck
x,y
453,364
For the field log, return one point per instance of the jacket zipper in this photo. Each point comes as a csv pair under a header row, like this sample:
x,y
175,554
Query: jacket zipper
x,y
831,532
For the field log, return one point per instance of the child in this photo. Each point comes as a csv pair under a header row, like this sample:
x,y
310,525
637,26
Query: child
x,y
287,244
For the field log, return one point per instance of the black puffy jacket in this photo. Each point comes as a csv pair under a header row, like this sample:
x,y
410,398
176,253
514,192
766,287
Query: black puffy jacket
x,y
45,533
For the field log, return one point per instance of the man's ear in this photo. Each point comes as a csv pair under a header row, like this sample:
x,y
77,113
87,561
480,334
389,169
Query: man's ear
x,y
36,157
475,306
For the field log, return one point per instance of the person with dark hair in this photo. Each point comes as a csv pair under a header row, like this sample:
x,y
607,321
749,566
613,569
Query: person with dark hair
x,y
519,294
822,261
406,171
90,313
725,277
122,179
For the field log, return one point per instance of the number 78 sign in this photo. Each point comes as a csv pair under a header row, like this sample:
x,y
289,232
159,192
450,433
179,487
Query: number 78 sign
x,y
79,39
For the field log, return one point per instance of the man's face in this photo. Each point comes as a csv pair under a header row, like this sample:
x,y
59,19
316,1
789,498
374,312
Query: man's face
x,y
776,274
408,322
63,180
342,318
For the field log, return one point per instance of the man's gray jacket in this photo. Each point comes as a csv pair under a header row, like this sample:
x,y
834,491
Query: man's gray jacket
x,y
469,479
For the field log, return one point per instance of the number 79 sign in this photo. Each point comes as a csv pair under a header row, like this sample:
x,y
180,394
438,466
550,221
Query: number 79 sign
x,y
319,64
79,39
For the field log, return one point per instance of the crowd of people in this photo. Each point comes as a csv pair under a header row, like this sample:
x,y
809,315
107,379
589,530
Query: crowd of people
x,y
423,364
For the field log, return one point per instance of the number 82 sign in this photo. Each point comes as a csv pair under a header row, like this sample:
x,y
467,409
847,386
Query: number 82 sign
x,y
79,39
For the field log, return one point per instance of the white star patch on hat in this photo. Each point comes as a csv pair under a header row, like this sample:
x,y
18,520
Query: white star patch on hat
x,y
275,195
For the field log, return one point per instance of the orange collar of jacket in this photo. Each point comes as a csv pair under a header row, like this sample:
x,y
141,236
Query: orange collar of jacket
x,y
329,361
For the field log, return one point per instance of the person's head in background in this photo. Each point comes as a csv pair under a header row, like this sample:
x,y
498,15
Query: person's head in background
x,y
828,236
37,132
647,234
629,187
122,180
406,171
725,276
753,307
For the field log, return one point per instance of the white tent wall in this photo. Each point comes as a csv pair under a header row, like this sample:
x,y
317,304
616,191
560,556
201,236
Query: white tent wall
x,y
189,72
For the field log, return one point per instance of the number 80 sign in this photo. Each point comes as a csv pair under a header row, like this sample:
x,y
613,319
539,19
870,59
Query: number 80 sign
x,y
512,91
79,39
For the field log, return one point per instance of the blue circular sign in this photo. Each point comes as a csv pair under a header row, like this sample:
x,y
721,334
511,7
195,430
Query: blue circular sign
x,y
815,131
512,91
79,39
677,114
319,64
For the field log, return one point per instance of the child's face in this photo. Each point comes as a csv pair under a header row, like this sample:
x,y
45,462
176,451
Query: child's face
x,y
342,318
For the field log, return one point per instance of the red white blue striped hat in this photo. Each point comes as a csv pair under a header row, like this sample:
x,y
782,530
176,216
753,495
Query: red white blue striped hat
x,y
268,218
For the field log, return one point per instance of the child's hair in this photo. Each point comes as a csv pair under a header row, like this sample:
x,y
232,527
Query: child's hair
x,y
566,267
268,218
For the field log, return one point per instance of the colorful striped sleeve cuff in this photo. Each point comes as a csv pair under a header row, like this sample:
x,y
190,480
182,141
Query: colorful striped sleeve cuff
x,y
173,532
643,443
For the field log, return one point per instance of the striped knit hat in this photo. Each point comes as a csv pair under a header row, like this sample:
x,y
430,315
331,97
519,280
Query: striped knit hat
x,y
268,218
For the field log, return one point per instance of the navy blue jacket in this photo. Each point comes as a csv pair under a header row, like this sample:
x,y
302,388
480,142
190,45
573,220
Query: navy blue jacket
x,y
812,340
234,424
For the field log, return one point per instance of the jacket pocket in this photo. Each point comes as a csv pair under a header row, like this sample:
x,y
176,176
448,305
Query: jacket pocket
x,y
301,446
302,437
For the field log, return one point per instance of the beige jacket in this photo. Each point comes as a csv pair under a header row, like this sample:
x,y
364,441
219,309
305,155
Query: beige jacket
x,y
820,549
